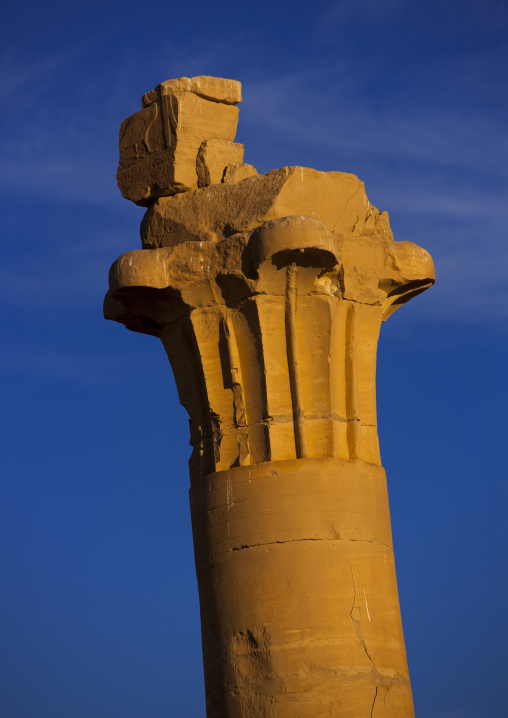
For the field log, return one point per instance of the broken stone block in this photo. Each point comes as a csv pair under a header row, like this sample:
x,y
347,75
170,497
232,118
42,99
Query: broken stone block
x,y
238,172
216,89
160,143
336,198
212,159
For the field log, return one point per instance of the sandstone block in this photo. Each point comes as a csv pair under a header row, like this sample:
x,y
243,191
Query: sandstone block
x,y
212,159
160,143
216,89
238,172
336,198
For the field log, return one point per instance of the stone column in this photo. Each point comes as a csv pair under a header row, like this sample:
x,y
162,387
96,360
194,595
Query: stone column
x,y
268,293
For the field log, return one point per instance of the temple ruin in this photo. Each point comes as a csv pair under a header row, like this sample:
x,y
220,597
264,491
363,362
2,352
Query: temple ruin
x,y
268,293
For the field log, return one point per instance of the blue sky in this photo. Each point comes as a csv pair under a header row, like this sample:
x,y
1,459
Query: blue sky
x,y
99,606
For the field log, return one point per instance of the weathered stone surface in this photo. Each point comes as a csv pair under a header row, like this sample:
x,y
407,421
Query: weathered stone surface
x,y
159,144
268,293
336,198
216,89
213,158
305,618
238,172
341,287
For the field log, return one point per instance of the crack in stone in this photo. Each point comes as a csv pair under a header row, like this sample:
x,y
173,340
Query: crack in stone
x,y
357,625
345,207
354,594
272,543
335,537
373,704
377,542
281,419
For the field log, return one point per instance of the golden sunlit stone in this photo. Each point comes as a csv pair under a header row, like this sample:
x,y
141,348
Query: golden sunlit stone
x,y
268,293
159,145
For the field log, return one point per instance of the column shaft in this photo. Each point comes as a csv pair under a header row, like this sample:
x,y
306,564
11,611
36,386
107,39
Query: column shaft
x,y
299,605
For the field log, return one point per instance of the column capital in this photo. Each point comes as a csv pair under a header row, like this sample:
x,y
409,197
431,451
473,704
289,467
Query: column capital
x,y
270,323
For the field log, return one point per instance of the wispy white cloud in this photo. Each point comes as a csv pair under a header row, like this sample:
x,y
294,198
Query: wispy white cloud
x,y
439,172
342,10
91,370
338,12
60,141
441,175
295,109
65,275
26,79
